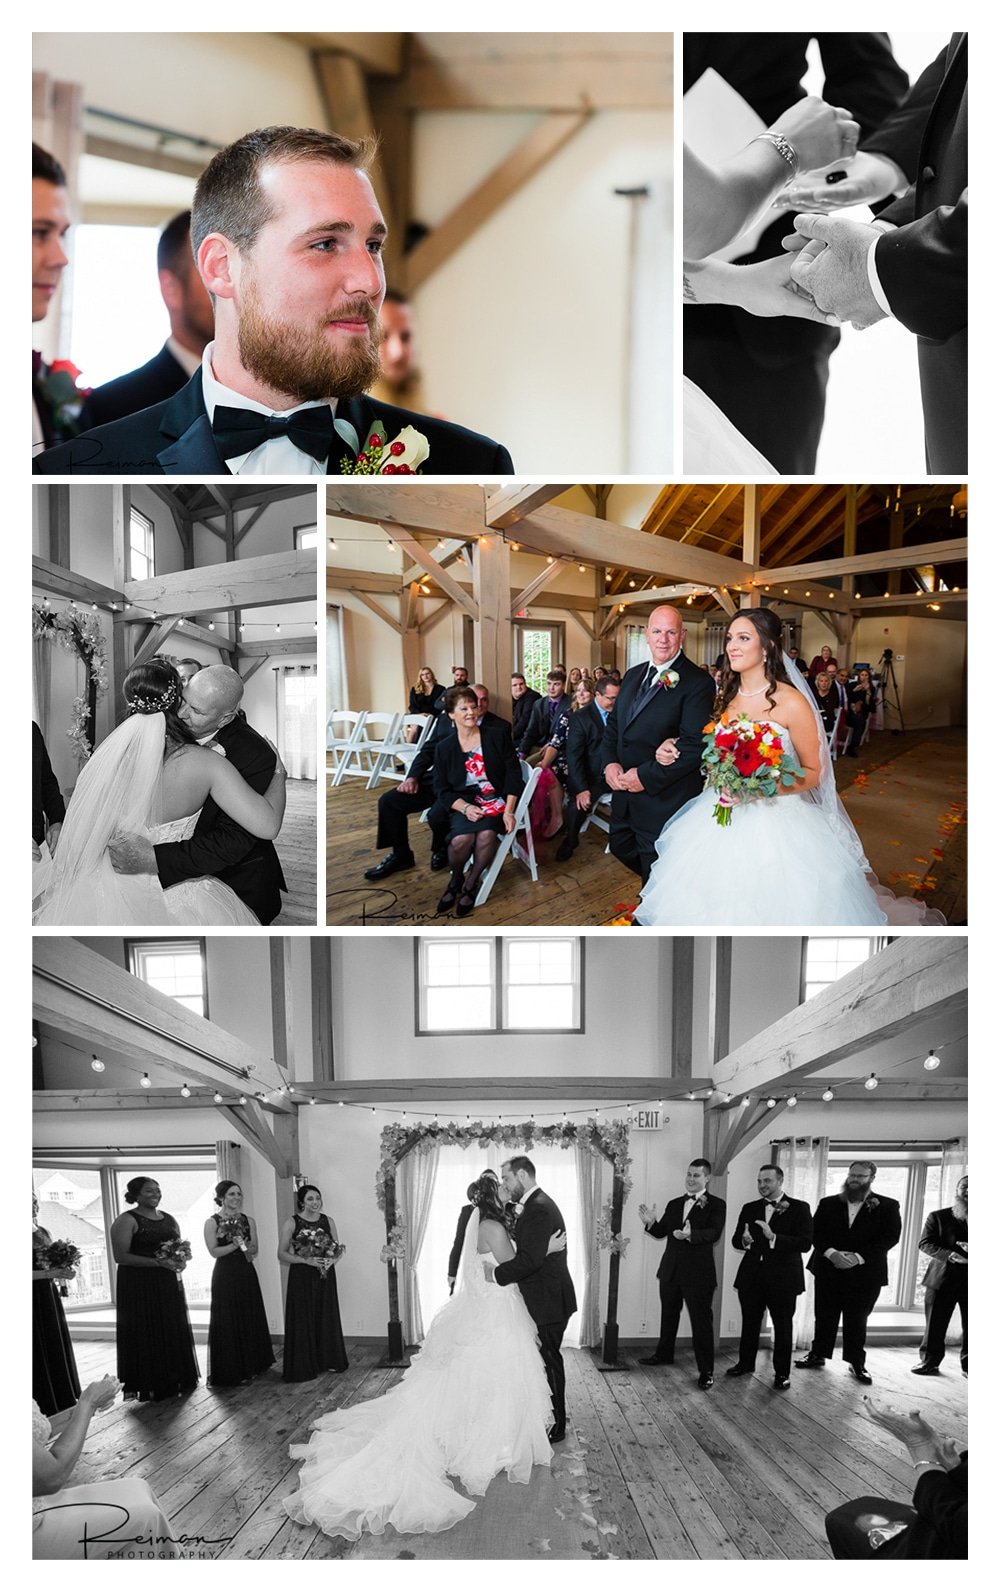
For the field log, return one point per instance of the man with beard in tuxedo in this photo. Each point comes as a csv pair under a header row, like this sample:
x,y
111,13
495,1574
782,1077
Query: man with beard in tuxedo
x,y
288,237
772,1233
544,1281
692,1225
945,1240
667,698
853,1233
219,846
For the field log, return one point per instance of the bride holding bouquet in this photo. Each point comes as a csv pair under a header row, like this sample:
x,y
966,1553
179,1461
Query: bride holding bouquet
x,y
768,840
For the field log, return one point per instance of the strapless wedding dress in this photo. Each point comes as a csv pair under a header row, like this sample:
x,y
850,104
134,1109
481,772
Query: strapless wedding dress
x,y
100,896
474,1402
782,860
712,444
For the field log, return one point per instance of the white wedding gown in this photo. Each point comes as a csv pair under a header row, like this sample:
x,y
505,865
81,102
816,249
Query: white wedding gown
x,y
781,860
712,444
474,1402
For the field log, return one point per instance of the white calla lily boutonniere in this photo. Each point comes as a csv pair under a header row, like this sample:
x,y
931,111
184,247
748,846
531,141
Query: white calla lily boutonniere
x,y
668,680
380,457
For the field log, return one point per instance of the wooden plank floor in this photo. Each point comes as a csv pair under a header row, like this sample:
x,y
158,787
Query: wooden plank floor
x,y
653,1467
296,847
593,886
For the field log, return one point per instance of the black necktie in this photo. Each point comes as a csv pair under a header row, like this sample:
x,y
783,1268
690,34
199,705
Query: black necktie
x,y
240,431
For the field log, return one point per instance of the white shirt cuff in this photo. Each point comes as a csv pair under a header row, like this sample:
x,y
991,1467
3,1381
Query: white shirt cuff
x,y
878,292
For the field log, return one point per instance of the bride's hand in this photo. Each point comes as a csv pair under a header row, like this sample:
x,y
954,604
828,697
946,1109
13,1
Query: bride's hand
x,y
767,289
819,133
667,752
557,1242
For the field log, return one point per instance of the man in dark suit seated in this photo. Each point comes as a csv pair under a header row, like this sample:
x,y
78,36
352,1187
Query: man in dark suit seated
x,y
772,1232
522,699
585,761
945,1240
219,846
191,323
288,239
416,793
692,1225
545,714
853,1233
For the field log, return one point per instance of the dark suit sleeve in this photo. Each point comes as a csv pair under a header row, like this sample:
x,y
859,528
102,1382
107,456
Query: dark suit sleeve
x,y
941,1499
932,1241
801,1235
534,1232
456,1249
822,1230
662,1226
890,1226
711,1230
52,808
499,746
223,843
861,73
537,730
924,271
576,755
696,708
900,134
447,771
741,1222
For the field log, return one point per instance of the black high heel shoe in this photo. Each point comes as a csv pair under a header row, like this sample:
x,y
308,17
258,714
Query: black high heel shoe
x,y
450,896
466,902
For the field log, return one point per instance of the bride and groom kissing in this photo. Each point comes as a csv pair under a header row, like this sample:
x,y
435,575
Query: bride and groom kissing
x,y
485,1393
173,816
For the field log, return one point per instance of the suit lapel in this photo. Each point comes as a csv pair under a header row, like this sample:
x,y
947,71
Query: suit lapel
x,y
189,447
644,698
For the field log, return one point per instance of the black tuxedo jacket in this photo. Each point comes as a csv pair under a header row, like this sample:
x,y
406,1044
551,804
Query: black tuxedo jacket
x,y
941,1530
583,751
940,1237
423,764
456,1250
160,378
876,1230
860,73
544,1280
175,439
637,724
521,711
782,1266
690,1262
503,771
541,724
47,805
923,264
220,846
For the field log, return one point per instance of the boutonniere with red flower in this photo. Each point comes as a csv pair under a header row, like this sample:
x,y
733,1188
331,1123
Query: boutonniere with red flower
x,y
667,680
57,385
380,457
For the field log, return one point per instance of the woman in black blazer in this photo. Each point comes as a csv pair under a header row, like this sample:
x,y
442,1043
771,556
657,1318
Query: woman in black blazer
x,y
477,776
426,697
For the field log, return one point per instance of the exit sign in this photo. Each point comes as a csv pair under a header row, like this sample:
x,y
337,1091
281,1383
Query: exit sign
x,y
646,1117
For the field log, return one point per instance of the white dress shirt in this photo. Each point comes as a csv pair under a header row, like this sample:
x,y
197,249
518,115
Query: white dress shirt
x,y
276,457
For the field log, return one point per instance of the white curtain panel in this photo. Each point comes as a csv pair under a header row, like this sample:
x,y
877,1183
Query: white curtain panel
x,y
415,1183
296,719
588,1176
804,1162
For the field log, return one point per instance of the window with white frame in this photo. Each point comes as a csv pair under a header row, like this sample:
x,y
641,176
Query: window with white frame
x,y
512,984
175,967
828,958
305,536
141,550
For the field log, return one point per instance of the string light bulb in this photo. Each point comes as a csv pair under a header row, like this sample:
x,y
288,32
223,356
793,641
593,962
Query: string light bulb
x,y
217,1098
871,1082
145,1083
793,1100
932,1060
96,1064
827,1094
186,1091
771,1101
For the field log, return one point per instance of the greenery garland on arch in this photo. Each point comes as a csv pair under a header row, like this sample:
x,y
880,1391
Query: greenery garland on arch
x,y
80,633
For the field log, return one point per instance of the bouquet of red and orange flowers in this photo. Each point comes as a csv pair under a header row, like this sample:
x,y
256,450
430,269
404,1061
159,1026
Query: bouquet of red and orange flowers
x,y
743,760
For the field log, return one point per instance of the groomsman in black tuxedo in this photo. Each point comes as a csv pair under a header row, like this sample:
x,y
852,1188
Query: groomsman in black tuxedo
x,y
945,1240
853,1233
692,1225
544,1281
668,697
288,237
773,1233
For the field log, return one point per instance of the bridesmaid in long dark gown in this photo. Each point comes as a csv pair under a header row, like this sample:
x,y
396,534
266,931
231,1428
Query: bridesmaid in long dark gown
x,y
156,1358
239,1341
314,1341
55,1384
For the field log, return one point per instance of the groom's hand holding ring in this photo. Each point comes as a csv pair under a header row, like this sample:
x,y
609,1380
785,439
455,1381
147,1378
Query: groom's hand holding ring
x,y
132,854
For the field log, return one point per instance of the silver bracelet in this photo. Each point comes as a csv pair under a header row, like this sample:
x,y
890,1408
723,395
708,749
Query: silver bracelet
x,y
779,142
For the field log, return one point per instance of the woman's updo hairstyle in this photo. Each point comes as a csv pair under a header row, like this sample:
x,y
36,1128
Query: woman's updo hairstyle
x,y
222,1189
768,627
133,1189
300,1195
156,688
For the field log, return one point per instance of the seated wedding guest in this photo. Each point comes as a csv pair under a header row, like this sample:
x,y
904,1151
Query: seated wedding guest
x,y
455,1255
55,1383
573,679
545,714
827,700
309,1247
477,776
547,799
55,404
416,793
459,675
863,699
523,699
426,697
189,310
584,761
945,1240
824,660
47,806
239,1341
793,654
841,687
95,1520
599,671
934,1527
156,1358
281,388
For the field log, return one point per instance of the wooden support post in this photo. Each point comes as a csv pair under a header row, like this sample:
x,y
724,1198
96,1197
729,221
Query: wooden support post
x,y
322,1009
682,1006
609,1348
282,1002
493,640
59,525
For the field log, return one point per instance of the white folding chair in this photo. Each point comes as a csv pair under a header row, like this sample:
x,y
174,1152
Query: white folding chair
x,y
524,850
600,814
360,756
400,748
343,727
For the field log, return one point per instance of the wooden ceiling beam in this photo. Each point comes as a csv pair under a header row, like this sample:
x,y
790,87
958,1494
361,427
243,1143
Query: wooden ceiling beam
x,y
508,505
956,552
458,511
564,532
271,578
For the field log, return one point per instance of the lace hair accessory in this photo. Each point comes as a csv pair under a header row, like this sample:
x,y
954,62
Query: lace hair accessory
x,y
157,703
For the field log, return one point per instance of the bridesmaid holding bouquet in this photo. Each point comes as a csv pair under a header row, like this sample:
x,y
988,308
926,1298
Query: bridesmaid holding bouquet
x,y
310,1249
239,1341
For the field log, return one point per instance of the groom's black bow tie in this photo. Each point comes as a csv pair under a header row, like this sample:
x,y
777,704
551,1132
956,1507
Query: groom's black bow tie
x,y
240,431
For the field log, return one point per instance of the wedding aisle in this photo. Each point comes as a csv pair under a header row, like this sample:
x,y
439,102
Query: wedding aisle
x,y
652,1468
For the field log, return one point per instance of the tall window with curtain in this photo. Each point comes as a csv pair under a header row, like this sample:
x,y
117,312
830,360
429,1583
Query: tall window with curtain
x,y
295,710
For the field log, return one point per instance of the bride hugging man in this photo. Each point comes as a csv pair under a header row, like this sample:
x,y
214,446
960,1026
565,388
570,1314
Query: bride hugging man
x,y
173,817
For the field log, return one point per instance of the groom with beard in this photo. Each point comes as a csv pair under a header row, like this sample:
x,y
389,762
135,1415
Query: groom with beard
x,y
287,236
667,698
219,846
544,1281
